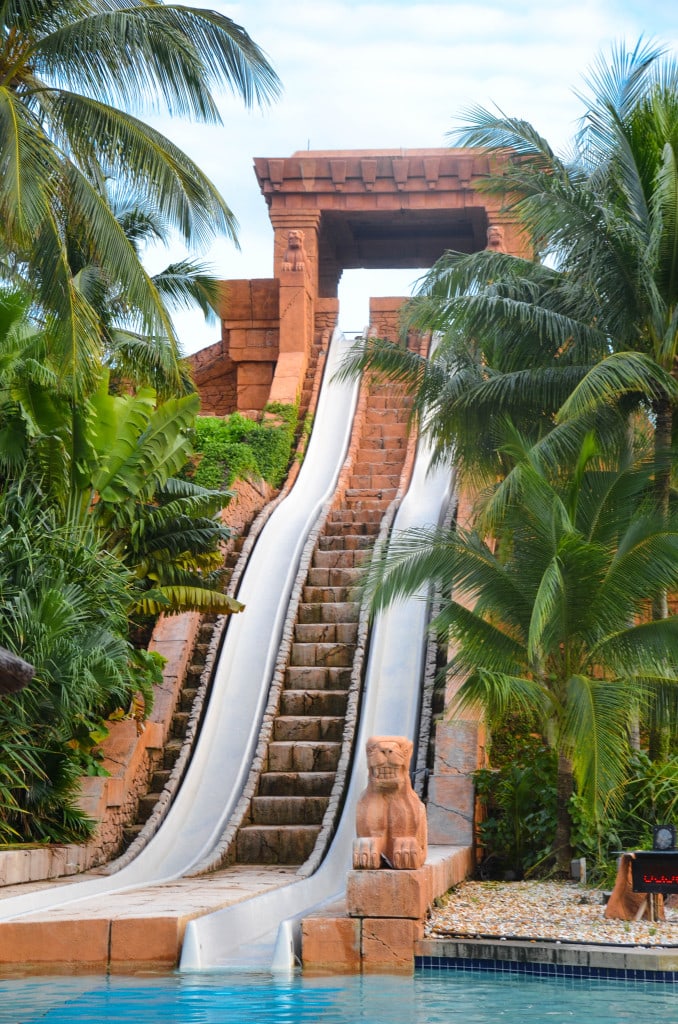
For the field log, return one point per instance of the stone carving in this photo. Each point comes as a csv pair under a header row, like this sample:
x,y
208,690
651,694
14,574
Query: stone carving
x,y
495,238
294,257
626,905
390,818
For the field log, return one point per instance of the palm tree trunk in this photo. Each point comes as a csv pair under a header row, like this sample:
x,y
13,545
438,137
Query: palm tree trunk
x,y
564,791
658,736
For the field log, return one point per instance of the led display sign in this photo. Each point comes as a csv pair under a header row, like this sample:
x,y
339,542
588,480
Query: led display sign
x,y
655,871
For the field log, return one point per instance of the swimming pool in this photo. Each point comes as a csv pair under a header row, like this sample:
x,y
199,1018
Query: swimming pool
x,y
424,998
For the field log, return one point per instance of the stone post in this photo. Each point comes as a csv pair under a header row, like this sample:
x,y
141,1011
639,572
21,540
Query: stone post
x,y
296,268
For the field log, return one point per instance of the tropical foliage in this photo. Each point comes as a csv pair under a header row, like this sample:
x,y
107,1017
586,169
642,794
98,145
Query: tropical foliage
x,y
552,623
73,77
96,405
235,447
582,338
64,601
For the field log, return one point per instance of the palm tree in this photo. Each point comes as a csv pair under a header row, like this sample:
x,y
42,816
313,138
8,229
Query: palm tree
x,y
73,75
592,322
553,620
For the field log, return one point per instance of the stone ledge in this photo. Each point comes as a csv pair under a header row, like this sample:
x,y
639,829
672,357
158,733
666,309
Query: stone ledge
x,y
382,918
544,957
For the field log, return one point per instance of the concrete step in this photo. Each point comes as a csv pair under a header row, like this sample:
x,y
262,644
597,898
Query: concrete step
x,y
312,677
381,457
129,834
288,810
274,844
350,515
187,697
329,595
179,723
339,559
334,577
171,752
303,756
296,783
321,727
146,806
159,779
193,674
374,495
388,431
328,611
332,655
349,529
380,443
325,632
313,702
346,542
369,481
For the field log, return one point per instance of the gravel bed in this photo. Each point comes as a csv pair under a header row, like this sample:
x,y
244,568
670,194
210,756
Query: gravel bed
x,y
554,911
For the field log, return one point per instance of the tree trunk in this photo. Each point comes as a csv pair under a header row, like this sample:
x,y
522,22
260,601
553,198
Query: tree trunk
x,y
564,791
663,432
15,673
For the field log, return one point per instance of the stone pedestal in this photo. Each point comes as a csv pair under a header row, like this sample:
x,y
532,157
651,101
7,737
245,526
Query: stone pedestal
x,y
376,926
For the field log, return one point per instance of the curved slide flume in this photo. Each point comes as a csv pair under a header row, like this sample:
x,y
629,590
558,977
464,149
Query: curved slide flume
x,y
227,740
263,931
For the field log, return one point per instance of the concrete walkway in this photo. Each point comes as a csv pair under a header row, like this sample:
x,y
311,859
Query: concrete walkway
x,y
135,930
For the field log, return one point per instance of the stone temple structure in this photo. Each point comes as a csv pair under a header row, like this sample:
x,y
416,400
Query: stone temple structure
x,y
338,210
332,211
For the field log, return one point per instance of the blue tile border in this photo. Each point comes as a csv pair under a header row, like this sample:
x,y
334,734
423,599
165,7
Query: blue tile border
x,y
457,963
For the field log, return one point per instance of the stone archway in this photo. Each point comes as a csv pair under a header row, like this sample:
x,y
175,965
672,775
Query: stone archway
x,y
332,211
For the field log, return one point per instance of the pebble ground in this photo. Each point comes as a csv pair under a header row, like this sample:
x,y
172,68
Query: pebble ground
x,y
561,912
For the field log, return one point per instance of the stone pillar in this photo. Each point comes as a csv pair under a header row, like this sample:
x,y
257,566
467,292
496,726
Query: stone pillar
x,y
459,751
296,268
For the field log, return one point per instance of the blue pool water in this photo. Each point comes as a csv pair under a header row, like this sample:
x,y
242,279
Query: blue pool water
x,y
425,998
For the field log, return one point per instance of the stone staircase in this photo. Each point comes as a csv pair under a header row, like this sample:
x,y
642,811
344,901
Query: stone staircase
x,y
286,813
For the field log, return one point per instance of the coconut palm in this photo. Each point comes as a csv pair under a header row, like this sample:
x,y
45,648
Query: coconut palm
x,y
73,75
553,620
592,321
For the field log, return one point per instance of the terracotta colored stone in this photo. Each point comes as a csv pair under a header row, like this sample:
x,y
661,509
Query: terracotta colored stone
x,y
330,943
390,817
387,893
145,941
389,943
236,300
82,943
450,810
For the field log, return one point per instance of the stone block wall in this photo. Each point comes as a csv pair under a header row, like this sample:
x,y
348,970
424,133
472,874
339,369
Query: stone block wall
x,y
383,915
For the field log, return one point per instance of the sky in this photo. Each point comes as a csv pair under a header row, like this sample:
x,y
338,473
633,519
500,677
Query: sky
x,y
391,74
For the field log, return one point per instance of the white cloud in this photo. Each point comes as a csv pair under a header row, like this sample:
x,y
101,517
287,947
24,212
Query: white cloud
x,y
391,74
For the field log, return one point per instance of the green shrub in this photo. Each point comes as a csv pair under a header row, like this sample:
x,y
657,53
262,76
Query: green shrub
x,y
519,803
237,448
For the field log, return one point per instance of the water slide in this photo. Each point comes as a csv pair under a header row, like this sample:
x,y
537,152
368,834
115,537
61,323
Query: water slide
x,y
228,738
264,931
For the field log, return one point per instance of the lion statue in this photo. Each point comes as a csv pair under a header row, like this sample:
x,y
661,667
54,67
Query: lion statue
x,y
294,257
390,817
495,238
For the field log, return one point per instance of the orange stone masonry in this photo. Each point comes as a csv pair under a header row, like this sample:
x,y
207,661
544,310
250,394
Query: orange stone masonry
x,y
348,209
383,915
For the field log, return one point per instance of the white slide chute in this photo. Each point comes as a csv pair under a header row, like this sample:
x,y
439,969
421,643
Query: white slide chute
x,y
263,932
